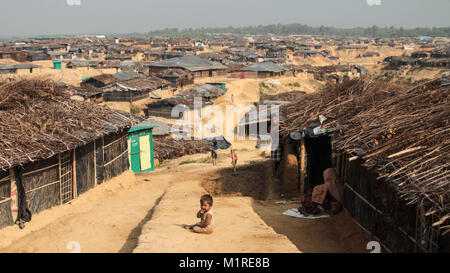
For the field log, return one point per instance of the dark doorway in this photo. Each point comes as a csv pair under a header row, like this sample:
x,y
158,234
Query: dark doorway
x,y
318,152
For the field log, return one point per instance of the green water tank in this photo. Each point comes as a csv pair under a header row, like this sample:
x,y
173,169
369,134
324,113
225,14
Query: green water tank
x,y
57,64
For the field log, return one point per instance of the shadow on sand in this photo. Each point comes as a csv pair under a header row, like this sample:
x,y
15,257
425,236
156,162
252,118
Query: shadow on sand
x,y
335,234
133,237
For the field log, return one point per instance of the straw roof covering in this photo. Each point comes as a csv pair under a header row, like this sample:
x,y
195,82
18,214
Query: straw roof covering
x,y
38,120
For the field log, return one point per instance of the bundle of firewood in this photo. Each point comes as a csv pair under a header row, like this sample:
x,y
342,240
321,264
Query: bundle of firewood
x,y
165,149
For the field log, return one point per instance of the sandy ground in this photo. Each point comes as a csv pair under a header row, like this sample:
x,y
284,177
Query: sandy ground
x,y
237,227
150,208
105,219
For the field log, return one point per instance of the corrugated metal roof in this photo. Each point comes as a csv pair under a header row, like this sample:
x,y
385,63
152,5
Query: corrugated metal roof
x,y
265,67
191,63
159,128
127,75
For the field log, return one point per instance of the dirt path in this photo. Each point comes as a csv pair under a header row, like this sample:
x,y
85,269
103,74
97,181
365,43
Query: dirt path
x,y
238,227
152,207
105,219
337,234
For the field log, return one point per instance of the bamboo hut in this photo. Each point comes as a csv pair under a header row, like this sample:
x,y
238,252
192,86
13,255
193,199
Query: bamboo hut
x,y
54,150
390,146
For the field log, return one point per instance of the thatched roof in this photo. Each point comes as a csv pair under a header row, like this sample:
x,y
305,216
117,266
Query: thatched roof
x,y
147,83
38,120
401,132
205,91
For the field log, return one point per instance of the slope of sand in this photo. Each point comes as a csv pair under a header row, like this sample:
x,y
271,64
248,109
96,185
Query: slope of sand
x,y
69,76
246,92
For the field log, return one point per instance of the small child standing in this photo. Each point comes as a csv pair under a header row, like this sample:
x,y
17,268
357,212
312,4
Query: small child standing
x,y
214,155
234,159
206,215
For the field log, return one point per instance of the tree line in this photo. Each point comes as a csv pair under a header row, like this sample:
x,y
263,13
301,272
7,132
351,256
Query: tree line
x,y
373,31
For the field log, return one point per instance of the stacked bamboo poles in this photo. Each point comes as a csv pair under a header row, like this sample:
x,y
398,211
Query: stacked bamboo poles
x,y
165,149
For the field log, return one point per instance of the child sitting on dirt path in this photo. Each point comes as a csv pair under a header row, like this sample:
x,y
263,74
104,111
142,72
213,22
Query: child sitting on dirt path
x,y
206,215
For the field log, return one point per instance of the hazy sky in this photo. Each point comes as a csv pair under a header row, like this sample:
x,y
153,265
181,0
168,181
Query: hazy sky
x,y
30,17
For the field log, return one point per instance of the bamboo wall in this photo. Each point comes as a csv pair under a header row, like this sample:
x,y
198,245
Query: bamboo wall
x,y
41,180
376,207
5,200
125,96
115,155
63,177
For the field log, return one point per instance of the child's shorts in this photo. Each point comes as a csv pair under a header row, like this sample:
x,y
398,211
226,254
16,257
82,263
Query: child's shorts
x,y
207,230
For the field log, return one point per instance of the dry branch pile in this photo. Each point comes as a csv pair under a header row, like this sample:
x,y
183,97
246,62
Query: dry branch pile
x,y
170,148
207,91
38,120
285,96
85,90
323,69
401,132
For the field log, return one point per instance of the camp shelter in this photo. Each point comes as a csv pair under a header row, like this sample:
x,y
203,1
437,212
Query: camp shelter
x,y
257,120
263,70
20,69
140,143
100,81
61,149
197,66
160,130
173,107
390,148
177,77
86,93
205,91
135,89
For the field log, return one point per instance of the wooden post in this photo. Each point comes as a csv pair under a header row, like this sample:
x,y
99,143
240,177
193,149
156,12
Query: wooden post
x,y
302,166
95,163
60,185
103,149
74,175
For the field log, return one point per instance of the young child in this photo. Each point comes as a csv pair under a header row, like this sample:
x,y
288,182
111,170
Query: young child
x,y
214,155
206,215
234,159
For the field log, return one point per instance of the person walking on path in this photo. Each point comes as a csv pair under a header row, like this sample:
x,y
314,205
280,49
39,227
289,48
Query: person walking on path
x,y
234,159
214,155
